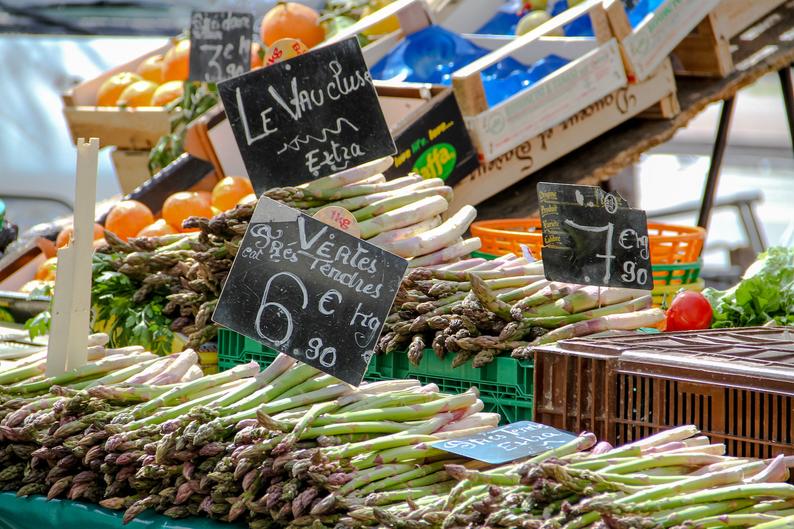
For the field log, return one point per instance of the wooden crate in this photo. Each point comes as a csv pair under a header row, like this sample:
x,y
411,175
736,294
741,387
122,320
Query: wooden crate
x,y
645,47
657,93
413,15
131,128
594,71
706,52
132,168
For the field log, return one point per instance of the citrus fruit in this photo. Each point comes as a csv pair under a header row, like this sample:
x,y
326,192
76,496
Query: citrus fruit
x,y
532,20
152,69
184,204
384,27
127,218
108,94
46,270
247,199
256,58
292,20
66,235
156,229
206,195
176,63
138,94
167,92
228,192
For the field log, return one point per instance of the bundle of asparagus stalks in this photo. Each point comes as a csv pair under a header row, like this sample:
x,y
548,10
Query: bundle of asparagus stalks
x,y
281,447
478,309
674,479
402,216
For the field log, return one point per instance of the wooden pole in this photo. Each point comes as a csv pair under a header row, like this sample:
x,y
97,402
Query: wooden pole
x,y
72,299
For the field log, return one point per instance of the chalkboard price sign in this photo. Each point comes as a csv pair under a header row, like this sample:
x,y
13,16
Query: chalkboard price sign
x,y
507,443
309,117
220,45
309,290
592,237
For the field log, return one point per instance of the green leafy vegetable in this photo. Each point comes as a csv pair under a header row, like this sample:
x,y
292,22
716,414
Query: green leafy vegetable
x,y
764,296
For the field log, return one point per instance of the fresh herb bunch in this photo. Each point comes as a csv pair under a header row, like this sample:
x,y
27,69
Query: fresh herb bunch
x,y
127,321
198,98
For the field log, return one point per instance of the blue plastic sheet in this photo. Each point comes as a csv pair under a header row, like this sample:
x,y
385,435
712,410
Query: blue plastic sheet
x,y
432,55
35,512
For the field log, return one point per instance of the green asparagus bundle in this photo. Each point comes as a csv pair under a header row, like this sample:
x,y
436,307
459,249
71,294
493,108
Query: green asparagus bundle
x,y
674,479
179,277
479,309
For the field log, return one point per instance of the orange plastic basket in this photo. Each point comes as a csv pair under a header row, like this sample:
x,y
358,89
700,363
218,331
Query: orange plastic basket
x,y
670,244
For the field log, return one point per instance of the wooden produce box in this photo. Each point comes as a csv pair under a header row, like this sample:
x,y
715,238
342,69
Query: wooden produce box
x,y
706,52
658,93
126,128
595,70
645,47
132,168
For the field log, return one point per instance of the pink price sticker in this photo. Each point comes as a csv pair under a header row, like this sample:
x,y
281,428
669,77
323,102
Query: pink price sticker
x,y
339,218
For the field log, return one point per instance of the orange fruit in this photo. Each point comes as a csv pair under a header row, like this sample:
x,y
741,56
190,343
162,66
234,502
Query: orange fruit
x,y
206,195
127,218
46,270
66,235
152,69
138,94
108,94
292,20
167,92
247,199
156,229
184,204
228,192
176,63
256,59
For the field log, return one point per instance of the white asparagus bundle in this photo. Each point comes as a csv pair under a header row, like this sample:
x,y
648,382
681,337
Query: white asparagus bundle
x,y
448,253
409,231
435,239
404,216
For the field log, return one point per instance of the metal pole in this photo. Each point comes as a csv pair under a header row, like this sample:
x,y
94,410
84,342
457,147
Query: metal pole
x,y
788,98
720,143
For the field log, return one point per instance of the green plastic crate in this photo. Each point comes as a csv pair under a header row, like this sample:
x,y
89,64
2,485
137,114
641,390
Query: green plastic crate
x,y
505,384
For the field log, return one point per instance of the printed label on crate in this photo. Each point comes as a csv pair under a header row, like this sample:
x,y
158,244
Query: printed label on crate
x,y
220,45
507,443
654,39
309,290
310,116
437,145
591,237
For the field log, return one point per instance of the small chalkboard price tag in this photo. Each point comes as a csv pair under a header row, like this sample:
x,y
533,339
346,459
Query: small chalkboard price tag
x,y
220,45
507,443
591,237
308,117
309,290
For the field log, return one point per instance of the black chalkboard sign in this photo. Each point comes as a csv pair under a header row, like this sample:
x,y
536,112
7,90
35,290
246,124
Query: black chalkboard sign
x,y
220,45
592,237
436,145
507,443
309,290
308,117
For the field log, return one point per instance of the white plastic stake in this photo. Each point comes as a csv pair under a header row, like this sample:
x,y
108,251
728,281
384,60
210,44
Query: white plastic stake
x,y
71,306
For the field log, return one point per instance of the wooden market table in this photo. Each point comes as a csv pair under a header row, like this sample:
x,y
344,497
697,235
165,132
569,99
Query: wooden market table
x,y
765,47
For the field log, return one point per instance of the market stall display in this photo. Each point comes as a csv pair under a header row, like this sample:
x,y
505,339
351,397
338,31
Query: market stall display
x,y
663,408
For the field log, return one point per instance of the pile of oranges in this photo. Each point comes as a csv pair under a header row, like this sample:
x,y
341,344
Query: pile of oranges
x,y
130,218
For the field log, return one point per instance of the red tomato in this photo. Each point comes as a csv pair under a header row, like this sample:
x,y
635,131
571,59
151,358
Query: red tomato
x,y
689,311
